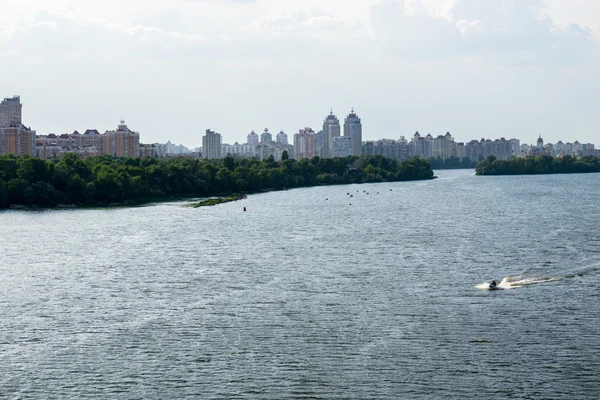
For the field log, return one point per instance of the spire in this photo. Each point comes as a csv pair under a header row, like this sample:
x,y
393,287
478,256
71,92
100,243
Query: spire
x,y
331,113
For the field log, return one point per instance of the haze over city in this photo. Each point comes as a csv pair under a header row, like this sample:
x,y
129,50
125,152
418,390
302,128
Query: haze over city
x,y
175,68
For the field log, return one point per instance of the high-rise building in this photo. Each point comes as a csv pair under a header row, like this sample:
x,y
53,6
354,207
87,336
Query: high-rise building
x,y
353,128
253,139
266,136
282,138
11,112
443,146
304,144
15,138
331,129
211,145
123,142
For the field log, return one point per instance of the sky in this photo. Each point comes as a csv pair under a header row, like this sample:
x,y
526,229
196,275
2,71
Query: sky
x,y
174,68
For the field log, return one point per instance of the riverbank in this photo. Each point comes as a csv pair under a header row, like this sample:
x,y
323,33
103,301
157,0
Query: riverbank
x,y
107,182
541,165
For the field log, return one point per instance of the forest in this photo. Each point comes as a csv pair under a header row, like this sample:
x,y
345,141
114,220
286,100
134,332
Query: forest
x,y
538,165
105,180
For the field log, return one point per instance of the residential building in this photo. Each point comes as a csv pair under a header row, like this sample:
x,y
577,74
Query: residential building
x,y
18,140
266,136
253,139
148,150
15,138
240,150
443,146
341,146
11,112
331,129
282,138
304,144
274,149
122,142
319,143
422,147
211,145
397,149
353,128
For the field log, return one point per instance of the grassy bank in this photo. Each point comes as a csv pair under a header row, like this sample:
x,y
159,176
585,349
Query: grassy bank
x,y
219,200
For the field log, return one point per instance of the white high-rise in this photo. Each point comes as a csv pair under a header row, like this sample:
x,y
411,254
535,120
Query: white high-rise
x,y
282,138
253,139
211,145
331,129
353,128
266,136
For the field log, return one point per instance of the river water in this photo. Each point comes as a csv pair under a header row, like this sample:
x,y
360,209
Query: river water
x,y
311,293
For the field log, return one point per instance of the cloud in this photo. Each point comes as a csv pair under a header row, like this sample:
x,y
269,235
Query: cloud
x,y
305,21
51,35
502,31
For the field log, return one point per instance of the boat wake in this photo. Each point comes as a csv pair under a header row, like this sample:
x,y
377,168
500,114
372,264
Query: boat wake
x,y
529,277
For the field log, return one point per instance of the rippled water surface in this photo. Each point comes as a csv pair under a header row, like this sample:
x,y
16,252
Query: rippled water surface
x,y
311,293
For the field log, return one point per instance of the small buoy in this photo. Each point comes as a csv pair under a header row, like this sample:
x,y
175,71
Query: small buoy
x,y
326,199
244,209
350,203
351,195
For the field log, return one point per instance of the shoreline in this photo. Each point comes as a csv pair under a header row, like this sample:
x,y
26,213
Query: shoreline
x,y
159,200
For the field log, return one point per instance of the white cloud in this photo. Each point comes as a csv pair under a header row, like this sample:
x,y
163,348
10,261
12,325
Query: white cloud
x,y
306,21
174,68
505,31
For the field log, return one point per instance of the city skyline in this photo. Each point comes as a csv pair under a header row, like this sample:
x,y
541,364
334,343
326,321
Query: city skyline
x,y
476,69
244,138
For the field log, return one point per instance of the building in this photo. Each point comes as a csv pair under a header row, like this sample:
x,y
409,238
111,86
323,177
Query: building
x,y
443,146
122,142
396,149
18,140
11,112
253,139
211,145
341,146
353,128
240,150
273,149
266,136
331,129
15,138
148,150
422,147
304,144
319,143
282,138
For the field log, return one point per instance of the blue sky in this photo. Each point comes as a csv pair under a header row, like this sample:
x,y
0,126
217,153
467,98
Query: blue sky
x,y
172,69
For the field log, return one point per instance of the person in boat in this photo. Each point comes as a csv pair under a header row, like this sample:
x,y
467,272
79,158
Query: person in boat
x,y
493,284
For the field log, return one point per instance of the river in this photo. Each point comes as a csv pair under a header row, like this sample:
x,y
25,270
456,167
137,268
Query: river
x,y
373,291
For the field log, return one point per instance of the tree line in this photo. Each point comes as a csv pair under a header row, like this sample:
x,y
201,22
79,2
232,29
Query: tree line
x,y
103,180
538,165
